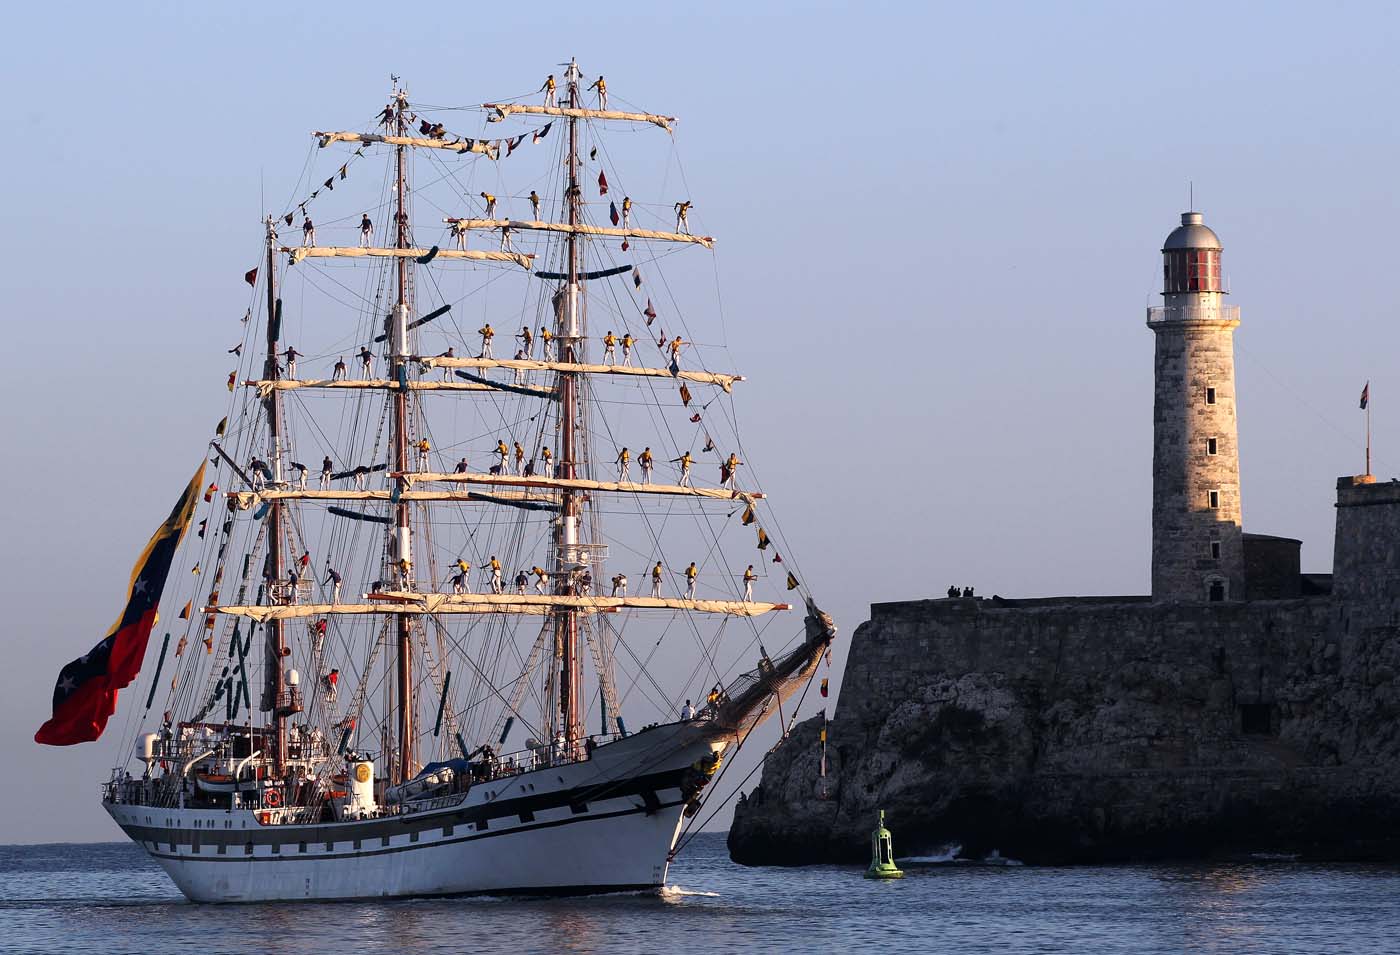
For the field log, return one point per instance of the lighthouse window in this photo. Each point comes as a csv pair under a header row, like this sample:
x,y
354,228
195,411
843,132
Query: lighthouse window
x,y
1210,446
1210,396
1214,499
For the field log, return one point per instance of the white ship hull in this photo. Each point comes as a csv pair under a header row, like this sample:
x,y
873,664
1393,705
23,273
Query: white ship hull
x,y
606,824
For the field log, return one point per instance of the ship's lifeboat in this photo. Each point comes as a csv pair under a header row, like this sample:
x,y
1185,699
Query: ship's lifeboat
x,y
224,783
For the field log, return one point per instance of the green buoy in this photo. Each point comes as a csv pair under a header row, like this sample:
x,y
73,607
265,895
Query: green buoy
x,y
882,854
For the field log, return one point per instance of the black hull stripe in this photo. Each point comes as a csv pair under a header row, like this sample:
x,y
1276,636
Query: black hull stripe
x,y
387,850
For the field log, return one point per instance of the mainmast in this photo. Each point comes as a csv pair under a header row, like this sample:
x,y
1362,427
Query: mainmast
x,y
402,550
570,332
275,655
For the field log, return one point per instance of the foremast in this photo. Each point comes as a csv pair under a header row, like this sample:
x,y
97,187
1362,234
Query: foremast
x,y
570,331
275,646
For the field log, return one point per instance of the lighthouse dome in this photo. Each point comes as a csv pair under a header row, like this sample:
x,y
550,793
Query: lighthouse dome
x,y
1193,233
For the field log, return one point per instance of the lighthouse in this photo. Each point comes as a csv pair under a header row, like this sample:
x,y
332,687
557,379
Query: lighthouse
x,y
1197,538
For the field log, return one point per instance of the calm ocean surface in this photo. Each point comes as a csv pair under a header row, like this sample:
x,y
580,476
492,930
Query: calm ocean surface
x,y
109,899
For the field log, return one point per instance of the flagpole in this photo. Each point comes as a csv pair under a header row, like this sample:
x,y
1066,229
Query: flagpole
x,y
1368,439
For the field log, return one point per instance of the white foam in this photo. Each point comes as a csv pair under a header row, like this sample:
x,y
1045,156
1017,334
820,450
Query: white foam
x,y
675,890
946,853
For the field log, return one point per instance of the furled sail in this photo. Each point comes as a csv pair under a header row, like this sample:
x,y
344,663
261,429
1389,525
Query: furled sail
x,y
502,110
525,364
485,147
580,229
629,487
539,604
300,252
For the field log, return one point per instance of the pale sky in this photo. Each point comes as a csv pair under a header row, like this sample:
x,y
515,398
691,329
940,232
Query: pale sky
x,y
938,229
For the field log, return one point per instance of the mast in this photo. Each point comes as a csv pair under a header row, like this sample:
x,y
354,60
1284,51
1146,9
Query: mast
x,y
570,331
402,549
275,641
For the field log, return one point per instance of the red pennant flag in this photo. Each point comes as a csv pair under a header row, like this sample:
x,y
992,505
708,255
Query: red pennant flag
x,y
612,213
636,277
777,558
685,396
649,312
625,245
695,418
251,276
824,690
602,184
1365,396
85,696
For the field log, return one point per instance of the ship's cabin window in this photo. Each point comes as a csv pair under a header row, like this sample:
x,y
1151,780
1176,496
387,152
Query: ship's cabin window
x,y
301,847
1210,396
1214,498
1211,446
1215,550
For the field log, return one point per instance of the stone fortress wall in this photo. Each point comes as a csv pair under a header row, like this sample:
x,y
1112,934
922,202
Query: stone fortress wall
x,y
1242,707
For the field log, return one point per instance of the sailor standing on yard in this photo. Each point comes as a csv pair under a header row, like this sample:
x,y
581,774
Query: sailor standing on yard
x,y
490,205
424,448
624,463
495,568
502,452
675,346
627,342
682,214
535,205
505,239
447,369
646,460
459,232
300,468
690,574
610,348
333,579
687,712
519,458
291,354
548,90
547,457
749,578
546,336
684,461
520,372
728,470
462,583
527,340
619,583
541,578
366,361
656,580
627,212
487,333
366,231
326,469
308,232
602,87
338,373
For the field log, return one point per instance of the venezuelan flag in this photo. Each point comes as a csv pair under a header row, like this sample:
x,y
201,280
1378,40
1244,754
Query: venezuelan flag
x,y
86,693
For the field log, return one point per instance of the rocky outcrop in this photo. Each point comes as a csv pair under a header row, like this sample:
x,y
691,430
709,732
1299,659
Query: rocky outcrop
x,y
1085,730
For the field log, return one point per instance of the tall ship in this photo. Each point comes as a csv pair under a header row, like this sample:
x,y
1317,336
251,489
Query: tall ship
x,y
475,590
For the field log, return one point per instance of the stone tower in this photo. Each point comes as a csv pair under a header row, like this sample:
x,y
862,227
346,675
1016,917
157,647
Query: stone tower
x,y
1197,539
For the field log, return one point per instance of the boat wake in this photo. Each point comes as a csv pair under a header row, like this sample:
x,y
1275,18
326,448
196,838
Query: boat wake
x,y
676,892
947,853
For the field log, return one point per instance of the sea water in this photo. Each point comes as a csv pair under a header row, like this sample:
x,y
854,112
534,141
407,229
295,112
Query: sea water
x,y
111,899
